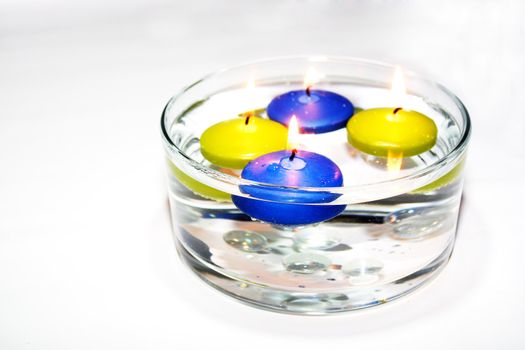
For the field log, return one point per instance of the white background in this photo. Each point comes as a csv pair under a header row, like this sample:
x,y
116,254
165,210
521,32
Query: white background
x,y
87,260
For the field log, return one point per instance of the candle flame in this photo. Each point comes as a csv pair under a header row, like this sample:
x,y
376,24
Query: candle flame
x,y
399,89
293,133
394,161
249,98
312,77
250,84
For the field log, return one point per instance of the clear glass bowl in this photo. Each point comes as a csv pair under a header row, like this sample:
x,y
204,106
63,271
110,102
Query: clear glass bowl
x,y
398,228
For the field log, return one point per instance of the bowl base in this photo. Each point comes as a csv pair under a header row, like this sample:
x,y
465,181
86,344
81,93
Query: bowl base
x,y
313,303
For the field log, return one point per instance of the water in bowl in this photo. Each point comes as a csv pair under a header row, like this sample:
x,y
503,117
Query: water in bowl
x,y
381,247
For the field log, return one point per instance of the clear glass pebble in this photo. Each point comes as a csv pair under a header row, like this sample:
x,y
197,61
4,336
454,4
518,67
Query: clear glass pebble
x,y
306,263
246,241
363,271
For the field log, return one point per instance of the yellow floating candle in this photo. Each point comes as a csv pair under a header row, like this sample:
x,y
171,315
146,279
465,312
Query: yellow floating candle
x,y
235,142
385,132
443,181
198,187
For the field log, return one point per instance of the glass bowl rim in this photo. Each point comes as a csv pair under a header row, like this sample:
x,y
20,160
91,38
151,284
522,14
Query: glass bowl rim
x,y
453,154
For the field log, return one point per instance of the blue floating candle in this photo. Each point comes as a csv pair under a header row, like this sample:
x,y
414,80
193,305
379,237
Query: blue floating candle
x,y
290,206
318,111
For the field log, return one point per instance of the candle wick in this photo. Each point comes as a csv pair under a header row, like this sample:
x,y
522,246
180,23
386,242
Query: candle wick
x,y
308,92
294,152
397,110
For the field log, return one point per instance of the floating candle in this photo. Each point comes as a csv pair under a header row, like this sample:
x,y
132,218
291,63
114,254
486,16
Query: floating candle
x,y
443,181
198,187
393,133
233,143
318,111
385,132
290,206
